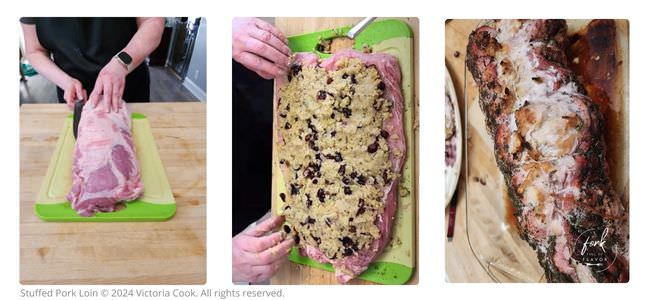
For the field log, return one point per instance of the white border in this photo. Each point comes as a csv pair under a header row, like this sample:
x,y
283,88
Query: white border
x,y
431,243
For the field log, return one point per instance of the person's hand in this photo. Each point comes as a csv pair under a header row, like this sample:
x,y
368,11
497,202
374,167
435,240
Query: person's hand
x,y
109,86
260,47
74,91
258,252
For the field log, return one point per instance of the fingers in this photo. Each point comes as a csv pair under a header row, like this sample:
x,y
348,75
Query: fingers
x,y
258,64
118,90
265,226
270,39
278,252
262,243
79,91
108,94
68,97
95,94
267,52
270,28
265,75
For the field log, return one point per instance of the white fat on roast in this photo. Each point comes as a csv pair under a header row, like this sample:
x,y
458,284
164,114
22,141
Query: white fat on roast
x,y
552,132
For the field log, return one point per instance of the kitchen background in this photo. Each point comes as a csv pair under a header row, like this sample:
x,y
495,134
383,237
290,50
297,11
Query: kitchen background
x,y
177,67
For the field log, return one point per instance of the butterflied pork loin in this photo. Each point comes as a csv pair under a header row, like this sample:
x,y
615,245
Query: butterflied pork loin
x,y
549,145
105,171
341,151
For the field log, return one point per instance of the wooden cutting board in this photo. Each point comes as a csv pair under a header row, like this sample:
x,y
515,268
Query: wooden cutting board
x,y
497,253
300,274
171,252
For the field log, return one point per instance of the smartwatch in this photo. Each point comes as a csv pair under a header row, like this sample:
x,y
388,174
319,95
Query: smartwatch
x,y
125,59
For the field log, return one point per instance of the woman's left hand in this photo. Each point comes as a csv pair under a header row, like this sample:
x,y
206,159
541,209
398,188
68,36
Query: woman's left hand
x,y
109,86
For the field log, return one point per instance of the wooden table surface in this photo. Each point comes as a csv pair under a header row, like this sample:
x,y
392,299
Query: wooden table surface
x,y
171,252
291,273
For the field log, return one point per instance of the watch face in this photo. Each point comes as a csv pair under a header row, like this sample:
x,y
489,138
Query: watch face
x,y
125,57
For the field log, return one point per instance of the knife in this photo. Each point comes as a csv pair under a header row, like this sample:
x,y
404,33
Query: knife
x,y
76,116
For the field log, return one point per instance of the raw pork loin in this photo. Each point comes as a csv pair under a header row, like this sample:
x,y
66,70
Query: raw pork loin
x,y
105,172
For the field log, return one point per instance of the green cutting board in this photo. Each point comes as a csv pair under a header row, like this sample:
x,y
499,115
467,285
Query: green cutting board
x,y
396,264
156,203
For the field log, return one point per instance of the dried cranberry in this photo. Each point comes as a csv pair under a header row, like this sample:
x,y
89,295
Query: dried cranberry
x,y
346,241
295,69
333,133
321,95
296,239
381,86
313,146
362,207
286,228
283,197
283,115
361,180
329,80
353,79
346,112
294,189
372,148
321,195
354,174
315,181
345,75
342,170
347,252
384,133
347,190
338,157
346,180
353,229
287,126
310,220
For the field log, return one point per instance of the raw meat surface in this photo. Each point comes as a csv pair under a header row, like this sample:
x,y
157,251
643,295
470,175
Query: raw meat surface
x,y
105,171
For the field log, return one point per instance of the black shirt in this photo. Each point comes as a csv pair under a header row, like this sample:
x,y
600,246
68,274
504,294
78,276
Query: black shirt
x,y
81,47
252,132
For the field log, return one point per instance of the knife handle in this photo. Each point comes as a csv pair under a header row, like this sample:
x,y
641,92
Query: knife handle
x,y
76,117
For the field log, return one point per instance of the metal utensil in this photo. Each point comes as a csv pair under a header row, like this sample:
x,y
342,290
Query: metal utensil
x,y
76,116
360,27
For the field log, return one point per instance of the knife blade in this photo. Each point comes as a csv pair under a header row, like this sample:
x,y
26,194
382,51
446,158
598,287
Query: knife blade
x,y
76,116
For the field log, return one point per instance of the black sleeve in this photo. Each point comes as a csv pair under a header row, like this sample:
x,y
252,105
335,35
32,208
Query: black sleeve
x,y
28,20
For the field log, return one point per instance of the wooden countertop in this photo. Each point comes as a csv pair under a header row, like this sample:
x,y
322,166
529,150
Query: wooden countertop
x,y
171,252
291,273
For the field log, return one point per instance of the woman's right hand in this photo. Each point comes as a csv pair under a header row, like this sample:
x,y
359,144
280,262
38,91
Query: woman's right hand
x,y
260,47
74,91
